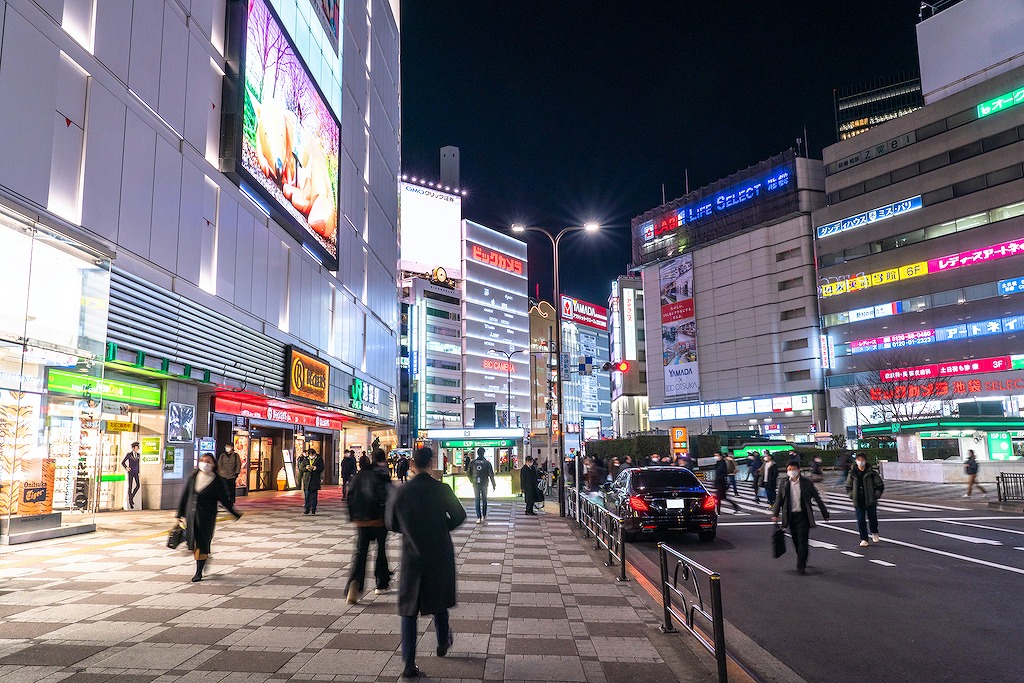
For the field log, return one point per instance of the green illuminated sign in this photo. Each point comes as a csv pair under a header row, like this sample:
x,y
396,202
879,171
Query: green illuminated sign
x,y
997,104
76,384
1000,446
1017,362
478,443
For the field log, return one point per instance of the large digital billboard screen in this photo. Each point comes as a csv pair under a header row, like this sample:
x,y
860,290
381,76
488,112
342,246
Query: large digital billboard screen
x,y
290,139
430,228
679,329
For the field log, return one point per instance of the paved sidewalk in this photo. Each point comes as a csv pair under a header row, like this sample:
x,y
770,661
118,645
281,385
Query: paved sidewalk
x,y
117,606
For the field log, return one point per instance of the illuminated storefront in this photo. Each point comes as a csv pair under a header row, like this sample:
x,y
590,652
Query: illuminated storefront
x,y
53,321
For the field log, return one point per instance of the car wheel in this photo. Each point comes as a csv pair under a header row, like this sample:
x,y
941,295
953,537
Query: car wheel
x,y
707,536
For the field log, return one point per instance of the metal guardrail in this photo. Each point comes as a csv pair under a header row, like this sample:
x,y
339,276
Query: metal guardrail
x,y
686,607
1010,486
604,526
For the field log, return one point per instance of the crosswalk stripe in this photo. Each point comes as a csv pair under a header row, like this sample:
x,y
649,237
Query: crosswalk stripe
x,y
883,563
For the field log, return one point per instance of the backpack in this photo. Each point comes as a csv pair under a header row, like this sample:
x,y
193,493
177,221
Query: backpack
x,y
478,468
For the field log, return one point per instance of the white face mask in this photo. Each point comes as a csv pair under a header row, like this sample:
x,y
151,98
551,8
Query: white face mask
x,y
862,463
794,474
206,467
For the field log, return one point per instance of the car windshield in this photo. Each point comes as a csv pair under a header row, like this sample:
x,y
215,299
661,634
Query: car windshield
x,y
662,479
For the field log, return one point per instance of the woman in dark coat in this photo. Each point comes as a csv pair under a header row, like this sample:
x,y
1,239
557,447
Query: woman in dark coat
x,y
425,511
197,509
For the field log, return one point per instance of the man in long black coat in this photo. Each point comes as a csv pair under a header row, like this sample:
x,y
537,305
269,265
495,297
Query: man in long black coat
x,y
528,481
795,511
425,511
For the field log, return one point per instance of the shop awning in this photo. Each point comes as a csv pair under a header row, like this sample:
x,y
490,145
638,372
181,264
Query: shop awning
x,y
260,407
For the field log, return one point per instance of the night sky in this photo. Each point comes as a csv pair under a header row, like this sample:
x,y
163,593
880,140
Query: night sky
x,y
571,111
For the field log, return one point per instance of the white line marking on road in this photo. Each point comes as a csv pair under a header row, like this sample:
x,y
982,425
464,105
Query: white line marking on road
x,y
892,541
821,544
1018,548
852,554
883,563
893,519
968,539
982,526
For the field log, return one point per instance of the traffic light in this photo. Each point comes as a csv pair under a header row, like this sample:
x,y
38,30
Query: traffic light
x,y
617,366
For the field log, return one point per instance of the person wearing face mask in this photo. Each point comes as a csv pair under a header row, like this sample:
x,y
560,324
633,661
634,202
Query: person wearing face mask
x,y
229,466
864,486
793,507
197,509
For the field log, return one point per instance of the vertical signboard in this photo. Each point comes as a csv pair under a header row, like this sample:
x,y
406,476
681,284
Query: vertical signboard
x,y
679,329
629,323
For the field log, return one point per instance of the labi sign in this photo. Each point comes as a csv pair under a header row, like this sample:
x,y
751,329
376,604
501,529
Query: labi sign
x,y
308,377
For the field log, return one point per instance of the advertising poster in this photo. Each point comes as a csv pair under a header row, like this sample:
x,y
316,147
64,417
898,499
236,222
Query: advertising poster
x,y
290,138
679,329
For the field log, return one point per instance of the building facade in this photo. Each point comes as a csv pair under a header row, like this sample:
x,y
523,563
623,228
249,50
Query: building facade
x,y
544,384
862,107
730,305
918,277
247,288
629,403
586,387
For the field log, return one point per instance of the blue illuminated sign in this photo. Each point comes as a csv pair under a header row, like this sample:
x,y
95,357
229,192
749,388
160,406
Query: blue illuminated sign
x,y
951,333
872,216
1011,286
728,200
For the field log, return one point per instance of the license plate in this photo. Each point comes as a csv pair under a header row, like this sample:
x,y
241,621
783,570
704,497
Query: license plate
x,y
676,504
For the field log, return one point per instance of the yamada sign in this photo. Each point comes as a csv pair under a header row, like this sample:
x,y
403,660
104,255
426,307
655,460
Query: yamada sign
x,y
584,313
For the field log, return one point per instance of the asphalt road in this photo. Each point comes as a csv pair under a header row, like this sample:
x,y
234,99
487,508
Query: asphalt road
x,y
939,599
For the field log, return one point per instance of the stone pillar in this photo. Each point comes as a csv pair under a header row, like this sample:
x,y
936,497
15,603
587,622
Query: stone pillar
x,y
908,448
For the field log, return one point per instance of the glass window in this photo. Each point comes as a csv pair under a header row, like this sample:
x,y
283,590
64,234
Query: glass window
x,y
968,222
939,230
1004,212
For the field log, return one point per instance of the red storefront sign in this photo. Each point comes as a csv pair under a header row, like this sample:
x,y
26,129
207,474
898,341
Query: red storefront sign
x,y
584,313
499,365
262,408
941,389
496,259
966,367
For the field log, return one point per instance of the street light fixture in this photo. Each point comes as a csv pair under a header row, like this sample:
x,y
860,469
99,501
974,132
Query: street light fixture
x,y
508,366
589,226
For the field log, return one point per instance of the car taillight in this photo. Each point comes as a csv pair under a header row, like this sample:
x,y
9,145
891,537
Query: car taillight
x,y
710,503
638,504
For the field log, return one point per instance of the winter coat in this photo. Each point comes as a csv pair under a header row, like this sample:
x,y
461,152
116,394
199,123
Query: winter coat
x,y
368,495
425,511
721,477
769,474
807,493
972,466
528,479
872,482
348,467
199,509
311,478
229,465
479,471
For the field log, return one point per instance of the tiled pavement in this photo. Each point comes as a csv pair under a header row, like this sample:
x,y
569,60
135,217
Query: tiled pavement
x,y
117,606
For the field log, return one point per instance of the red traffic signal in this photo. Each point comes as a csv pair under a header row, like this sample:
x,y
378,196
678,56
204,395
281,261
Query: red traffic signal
x,y
617,366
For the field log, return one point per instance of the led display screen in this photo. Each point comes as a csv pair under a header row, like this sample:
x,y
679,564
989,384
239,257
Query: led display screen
x,y
289,138
430,223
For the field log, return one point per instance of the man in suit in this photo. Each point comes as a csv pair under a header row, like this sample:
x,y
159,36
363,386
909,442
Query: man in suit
x,y
425,511
528,481
793,507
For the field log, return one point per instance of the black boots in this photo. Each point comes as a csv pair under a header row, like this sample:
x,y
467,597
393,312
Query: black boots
x,y
199,570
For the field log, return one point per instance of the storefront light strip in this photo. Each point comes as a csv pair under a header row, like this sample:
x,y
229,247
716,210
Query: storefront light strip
x,y
938,265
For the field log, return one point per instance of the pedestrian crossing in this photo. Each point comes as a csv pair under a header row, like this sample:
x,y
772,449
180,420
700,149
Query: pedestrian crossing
x,y
836,502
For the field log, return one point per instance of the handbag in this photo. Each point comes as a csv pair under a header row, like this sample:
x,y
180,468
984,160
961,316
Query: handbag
x,y
176,536
778,542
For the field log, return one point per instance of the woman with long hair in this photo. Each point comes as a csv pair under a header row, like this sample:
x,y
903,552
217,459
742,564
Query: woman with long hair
x,y
197,509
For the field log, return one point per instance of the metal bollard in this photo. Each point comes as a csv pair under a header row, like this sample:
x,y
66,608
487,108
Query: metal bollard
x,y
719,626
667,626
622,555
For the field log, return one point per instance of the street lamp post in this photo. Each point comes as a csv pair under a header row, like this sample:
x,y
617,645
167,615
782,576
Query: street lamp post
x,y
508,356
557,303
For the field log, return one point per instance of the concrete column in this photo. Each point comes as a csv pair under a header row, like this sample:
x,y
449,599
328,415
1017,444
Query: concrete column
x,y
908,448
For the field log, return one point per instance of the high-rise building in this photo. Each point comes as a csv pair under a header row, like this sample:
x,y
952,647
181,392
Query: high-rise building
x,y
862,107
730,306
628,343
544,387
202,253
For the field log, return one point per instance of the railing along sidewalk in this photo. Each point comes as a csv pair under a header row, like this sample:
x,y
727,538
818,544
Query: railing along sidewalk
x,y
1010,486
685,607
604,526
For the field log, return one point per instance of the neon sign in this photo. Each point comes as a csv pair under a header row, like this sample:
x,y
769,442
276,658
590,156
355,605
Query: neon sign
x,y
966,367
997,104
873,216
584,313
499,365
725,201
937,265
496,259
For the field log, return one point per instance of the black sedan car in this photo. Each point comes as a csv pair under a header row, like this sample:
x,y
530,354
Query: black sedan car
x,y
653,499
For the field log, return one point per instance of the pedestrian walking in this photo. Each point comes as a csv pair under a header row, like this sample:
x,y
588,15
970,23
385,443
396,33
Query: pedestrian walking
x,y
793,508
971,470
730,463
197,510
528,481
480,470
364,460
367,505
864,486
131,463
753,465
598,474
229,466
402,469
348,470
817,474
770,478
722,482
843,462
425,511
311,469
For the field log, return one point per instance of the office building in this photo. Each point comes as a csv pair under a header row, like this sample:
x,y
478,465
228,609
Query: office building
x,y
730,305
628,343
864,106
202,281
586,387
